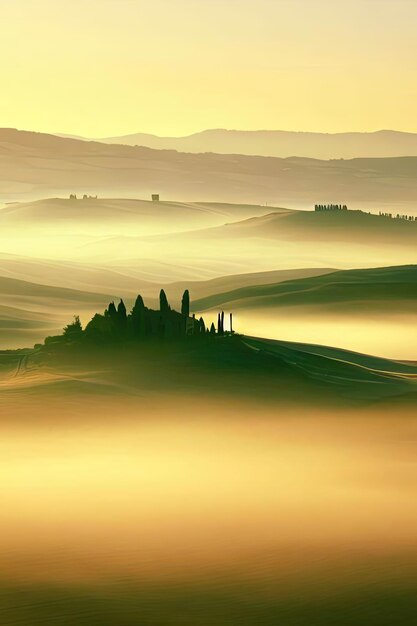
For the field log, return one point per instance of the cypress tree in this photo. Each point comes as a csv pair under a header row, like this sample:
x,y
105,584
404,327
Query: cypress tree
x,y
138,307
163,302
202,326
120,322
121,311
185,304
138,316
111,311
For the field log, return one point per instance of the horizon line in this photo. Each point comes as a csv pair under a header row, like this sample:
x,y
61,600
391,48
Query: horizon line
x,y
213,129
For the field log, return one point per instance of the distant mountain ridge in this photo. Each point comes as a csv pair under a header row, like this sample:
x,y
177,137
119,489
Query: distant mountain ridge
x,y
279,143
35,165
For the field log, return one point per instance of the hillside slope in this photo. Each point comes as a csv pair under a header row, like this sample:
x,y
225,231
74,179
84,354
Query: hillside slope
x,y
29,311
271,370
291,239
113,215
387,288
348,226
211,288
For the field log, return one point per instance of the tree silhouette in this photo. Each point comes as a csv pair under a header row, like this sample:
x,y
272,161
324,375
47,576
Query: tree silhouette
x,y
73,330
121,311
185,304
220,323
119,322
139,306
100,329
163,302
111,311
137,317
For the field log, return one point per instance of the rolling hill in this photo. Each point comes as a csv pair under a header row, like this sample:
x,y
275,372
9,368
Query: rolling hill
x,y
314,230
344,226
384,289
113,215
29,311
272,370
75,276
349,373
207,288
285,239
34,165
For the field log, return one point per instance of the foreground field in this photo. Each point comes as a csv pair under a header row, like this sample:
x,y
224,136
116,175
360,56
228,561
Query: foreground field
x,y
240,481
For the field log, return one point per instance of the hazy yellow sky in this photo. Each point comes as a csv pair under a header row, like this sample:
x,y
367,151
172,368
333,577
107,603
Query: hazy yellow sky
x,y
109,67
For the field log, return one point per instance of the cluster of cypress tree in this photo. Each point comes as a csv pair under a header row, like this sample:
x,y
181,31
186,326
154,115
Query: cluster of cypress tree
x,y
330,207
116,324
143,322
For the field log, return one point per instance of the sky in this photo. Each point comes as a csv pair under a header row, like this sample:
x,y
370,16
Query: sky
x,y
103,68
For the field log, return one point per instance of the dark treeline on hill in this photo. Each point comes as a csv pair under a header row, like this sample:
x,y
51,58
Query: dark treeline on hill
x,y
340,207
399,216
117,325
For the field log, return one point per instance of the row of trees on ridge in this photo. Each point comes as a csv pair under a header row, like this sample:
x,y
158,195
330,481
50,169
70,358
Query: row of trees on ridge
x,y
330,207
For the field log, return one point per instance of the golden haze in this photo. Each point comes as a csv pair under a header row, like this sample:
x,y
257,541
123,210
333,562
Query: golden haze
x,y
103,68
